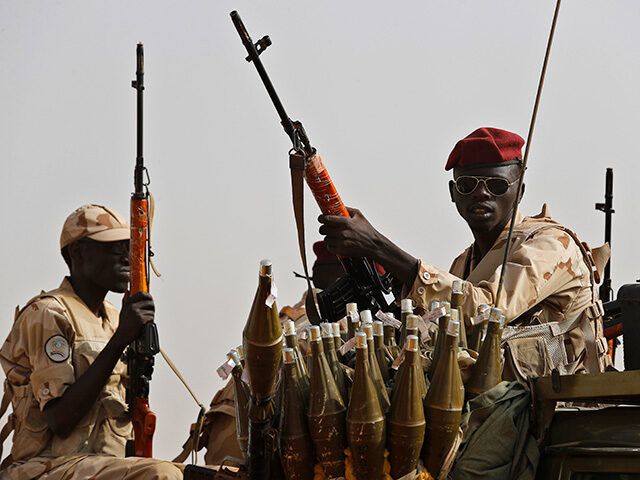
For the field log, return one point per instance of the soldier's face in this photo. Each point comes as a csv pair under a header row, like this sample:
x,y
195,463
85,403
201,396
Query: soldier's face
x,y
106,264
484,210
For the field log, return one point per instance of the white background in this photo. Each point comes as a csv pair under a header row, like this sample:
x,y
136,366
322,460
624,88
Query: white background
x,y
384,89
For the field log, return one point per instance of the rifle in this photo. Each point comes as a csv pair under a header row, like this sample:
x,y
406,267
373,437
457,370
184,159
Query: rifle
x,y
613,314
607,208
362,284
141,351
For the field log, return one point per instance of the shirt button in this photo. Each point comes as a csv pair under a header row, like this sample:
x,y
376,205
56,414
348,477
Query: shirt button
x,y
45,391
426,275
421,290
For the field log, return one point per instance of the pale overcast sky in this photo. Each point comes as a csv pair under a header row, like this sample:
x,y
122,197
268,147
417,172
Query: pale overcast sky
x,y
384,89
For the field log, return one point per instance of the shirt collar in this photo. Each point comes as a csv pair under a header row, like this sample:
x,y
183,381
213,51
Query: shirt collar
x,y
67,288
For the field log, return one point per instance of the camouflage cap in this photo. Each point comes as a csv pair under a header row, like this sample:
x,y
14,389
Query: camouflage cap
x,y
96,222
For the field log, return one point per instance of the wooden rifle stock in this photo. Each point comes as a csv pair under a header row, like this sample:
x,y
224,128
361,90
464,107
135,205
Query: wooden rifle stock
x,y
140,353
323,189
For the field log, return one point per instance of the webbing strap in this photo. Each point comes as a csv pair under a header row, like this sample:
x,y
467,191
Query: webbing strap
x,y
192,443
297,163
152,209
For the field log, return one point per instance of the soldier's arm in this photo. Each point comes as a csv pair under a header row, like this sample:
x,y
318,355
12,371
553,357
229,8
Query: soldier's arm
x,y
64,413
536,269
356,237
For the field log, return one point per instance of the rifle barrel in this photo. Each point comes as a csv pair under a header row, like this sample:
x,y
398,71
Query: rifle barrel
x,y
138,84
254,56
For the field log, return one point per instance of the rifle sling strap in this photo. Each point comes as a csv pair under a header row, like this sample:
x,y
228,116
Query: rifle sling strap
x,y
297,163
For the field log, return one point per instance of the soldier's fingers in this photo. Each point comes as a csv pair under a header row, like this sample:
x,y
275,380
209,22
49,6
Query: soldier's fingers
x,y
141,296
333,220
147,306
332,231
353,211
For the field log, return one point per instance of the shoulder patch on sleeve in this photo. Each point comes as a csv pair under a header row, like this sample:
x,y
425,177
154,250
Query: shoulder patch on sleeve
x,y
57,348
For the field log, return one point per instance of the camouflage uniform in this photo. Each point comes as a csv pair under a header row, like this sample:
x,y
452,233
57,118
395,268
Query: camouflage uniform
x,y
549,297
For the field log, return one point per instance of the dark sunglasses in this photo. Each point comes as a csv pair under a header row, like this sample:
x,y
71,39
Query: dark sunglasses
x,y
111,248
496,186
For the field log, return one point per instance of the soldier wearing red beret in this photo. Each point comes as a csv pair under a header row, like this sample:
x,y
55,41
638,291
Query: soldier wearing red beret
x,y
550,276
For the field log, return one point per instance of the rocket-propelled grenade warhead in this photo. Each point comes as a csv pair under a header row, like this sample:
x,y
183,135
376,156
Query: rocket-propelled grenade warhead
x,y
406,308
479,327
443,322
378,344
337,338
486,373
326,411
353,320
390,338
296,448
329,347
457,299
262,340
406,421
411,324
365,420
434,337
374,368
365,318
291,340
443,403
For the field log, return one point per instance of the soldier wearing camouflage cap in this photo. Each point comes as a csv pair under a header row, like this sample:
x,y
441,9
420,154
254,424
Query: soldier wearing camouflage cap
x,y
63,368
550,276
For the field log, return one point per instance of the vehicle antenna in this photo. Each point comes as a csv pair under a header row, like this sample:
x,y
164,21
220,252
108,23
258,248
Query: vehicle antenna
x,y
526,152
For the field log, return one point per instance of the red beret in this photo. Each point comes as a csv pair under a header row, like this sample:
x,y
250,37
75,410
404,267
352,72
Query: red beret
x,y
323,254
486,145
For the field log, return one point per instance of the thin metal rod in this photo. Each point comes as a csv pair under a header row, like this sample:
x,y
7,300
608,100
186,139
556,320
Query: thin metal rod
x,y
173,367
526,152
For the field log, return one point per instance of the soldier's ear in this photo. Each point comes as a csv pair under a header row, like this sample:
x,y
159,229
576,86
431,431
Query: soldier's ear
x,y
75,253
452,186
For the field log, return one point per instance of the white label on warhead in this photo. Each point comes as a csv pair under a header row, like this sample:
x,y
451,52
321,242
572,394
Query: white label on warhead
x,y
388,319
399,359
483,317
348,345
434,315
272,295
224,370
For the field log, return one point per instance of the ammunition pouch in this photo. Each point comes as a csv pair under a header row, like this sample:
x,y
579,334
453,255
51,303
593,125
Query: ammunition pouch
x,y
535,350
526,357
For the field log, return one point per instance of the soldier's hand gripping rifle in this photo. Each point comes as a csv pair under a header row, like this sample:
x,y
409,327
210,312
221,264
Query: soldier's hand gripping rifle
x,y
140,353
363,284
